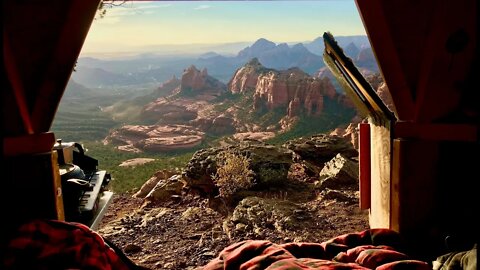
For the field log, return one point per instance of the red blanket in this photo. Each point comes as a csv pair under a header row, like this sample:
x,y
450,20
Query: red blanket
x,y
370,249
50,244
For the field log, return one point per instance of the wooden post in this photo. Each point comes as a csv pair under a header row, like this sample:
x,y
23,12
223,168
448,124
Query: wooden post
x,y
364,162
31,182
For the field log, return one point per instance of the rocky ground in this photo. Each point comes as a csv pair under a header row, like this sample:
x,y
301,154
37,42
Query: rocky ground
x,y
187,234
186,229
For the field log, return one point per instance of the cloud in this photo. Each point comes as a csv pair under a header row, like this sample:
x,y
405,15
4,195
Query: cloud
x,y
141,5
202,7
116,13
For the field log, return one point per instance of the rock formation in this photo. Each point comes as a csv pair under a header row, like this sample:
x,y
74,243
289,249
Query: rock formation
x,y
165,111
350,132
314,151
261,100
385,96
199,81
152,182
193,93
293,89
245,79
167,87
378,84
269,164
155,137
339,172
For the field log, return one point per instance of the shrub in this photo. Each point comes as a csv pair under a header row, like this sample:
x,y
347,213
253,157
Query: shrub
x,y
233,174
270,177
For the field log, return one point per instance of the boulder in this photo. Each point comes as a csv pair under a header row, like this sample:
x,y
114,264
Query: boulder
x,y
321,148
339,173
165,189
269,163
152,182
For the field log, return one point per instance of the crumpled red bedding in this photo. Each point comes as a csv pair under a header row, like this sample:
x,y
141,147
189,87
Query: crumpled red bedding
x,y
370,249
51,244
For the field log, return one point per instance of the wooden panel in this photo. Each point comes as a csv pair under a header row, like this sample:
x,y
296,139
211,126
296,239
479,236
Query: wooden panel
x,y
436,132
380,179
31,183
30,190
28,144
434,193
414,192
57,187
413,186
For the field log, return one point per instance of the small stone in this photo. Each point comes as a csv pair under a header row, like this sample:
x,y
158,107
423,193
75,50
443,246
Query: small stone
x,y
298,240
132,248
240,227
168,265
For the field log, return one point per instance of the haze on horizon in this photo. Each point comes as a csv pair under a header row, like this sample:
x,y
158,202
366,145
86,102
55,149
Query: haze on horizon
x,y
199,26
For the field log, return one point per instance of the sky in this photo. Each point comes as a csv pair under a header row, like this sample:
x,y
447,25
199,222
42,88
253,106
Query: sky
x,y
136,25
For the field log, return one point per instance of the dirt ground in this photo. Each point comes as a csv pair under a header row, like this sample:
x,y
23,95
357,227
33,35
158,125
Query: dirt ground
x,y
185,233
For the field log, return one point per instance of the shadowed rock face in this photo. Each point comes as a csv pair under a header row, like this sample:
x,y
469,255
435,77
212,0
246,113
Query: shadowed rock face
x,y
168,87
321,148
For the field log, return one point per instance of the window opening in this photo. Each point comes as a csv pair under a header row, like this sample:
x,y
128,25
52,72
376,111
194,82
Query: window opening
x,y
245,81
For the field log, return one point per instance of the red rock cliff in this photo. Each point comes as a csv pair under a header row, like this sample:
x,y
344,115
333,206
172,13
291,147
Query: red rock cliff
x,y
292,88
196,80
246,77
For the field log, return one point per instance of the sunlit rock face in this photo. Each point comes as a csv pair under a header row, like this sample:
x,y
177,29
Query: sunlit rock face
x,y
187,102
245,78
292,88
199,81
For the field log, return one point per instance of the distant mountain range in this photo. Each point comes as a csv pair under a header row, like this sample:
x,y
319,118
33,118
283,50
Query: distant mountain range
x,y
152,68
317,46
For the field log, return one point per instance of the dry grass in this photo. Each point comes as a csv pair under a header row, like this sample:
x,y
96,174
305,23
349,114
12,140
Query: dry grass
x,y
233,174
